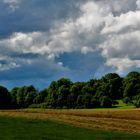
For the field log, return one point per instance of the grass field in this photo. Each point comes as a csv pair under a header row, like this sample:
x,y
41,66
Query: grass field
x,y
27,129
121,120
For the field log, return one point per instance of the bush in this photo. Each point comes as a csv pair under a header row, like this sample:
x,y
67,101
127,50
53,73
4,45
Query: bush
x,y
35,106
42,105
49,107
80,107
106,102
64,107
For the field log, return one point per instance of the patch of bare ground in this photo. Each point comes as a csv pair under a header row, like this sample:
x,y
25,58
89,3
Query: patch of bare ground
x,y
113,120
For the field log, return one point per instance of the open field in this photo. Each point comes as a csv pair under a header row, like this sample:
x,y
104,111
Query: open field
x,y
27,129
127,120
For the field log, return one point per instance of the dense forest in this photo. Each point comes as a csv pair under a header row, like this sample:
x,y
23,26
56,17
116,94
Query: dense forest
x,y
63,93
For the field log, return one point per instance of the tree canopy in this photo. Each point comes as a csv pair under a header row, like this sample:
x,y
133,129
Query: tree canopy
x,y
64,93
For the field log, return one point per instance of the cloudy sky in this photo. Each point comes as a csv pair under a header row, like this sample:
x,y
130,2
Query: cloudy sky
x,y
43,40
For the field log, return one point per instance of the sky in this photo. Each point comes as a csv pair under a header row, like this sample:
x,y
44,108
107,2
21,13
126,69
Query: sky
x,y
44,40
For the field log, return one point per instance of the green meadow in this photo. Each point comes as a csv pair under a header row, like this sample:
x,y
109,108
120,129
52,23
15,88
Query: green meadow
x,y
30,129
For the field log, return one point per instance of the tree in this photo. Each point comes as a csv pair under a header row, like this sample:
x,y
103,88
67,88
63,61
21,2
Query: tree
x,y
137,103
131,84
63,93
127,100
95,103
136,100
71,101
52,94
87,89
87,100
112,86
79,102
106,102
41,97
5,98
102,90
84,101
58,92
24,96
76,90
64,82
13,93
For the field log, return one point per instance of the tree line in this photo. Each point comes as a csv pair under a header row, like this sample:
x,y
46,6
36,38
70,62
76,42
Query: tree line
x,y
64,93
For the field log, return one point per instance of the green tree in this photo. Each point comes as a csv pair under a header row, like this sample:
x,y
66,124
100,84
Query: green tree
x,y
58,92
79,102
87,101
131,84
5,98
62,98
64,82
84,101
24,96
71,101
52,94
75,91
13,93
137,103
95,103
106,102
111,86
127,100
41,97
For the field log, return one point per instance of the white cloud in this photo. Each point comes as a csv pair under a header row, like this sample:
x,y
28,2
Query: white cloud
x,y
123,64
122,45
85,50
113,27
125,22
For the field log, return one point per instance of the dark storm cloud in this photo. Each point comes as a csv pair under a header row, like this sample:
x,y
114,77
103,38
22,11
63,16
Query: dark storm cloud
x,y
34,15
